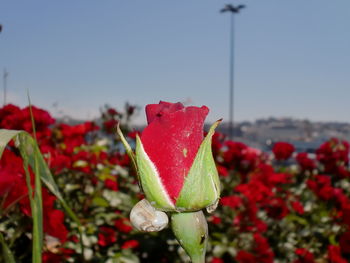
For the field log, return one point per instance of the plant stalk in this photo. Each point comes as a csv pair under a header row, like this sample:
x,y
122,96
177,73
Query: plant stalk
x,y
191,230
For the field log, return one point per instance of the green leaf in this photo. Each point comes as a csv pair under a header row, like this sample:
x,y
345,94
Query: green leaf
x,y
99,201
35,196
5,137
26,145
298,219
32,157
6,252
202,185
30,151
332,240
150,181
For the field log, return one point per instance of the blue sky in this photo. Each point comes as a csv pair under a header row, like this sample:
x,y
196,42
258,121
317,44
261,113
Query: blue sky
x,y
292,58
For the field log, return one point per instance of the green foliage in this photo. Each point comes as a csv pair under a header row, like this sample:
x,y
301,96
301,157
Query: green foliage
x,y
32,158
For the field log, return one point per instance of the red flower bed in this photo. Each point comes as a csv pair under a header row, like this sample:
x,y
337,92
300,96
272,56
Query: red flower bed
x,y
296,211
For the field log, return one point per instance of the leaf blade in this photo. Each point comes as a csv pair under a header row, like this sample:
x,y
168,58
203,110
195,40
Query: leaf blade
x,y
8,256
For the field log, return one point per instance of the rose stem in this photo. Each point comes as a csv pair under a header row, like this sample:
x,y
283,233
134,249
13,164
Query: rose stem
x,y
191,230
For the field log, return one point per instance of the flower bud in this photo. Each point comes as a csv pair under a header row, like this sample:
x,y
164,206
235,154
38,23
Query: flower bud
x,y
175,165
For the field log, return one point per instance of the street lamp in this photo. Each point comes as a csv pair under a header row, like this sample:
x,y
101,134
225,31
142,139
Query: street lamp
x,y
5,75
233,10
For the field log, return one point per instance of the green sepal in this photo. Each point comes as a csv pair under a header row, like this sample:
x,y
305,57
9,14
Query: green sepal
x,y
128,149
150,180
202,186
191,230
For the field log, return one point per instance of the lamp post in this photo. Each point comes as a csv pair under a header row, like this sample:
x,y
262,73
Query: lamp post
x,y
4,77
5,85
233,10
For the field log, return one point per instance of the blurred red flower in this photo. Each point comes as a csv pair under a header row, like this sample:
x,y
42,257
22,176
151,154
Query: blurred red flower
x,y
297,207
231,201
344,242
217,260
130,244
304,255
305,162
245,257
106,236
282,150
334,255
111,184
123,225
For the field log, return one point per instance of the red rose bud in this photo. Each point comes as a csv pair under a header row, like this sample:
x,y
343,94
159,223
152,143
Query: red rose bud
x,y
174,162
